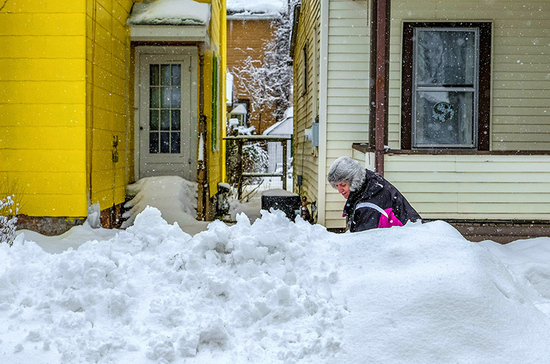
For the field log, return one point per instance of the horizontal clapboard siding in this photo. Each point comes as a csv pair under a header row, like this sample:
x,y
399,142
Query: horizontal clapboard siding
x,y
476,187
305,162
473,187
348,89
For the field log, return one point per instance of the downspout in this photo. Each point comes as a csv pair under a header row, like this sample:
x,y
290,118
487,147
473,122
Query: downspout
x,y
379,59
201,163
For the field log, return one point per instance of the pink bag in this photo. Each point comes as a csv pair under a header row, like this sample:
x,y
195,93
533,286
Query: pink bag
x,y
389,220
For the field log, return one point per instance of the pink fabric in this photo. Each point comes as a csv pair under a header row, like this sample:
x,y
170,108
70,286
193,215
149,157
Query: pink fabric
x,y
391,220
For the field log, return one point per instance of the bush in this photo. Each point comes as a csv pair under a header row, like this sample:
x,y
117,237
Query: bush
x,y
8,219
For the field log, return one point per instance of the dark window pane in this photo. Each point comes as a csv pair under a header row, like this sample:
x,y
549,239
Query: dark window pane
x,y
176,120
154,119
446,57
165,74
154,97
176,97
165,120
444,118
154,74
153,142
176,75
166,96
165,142
175,143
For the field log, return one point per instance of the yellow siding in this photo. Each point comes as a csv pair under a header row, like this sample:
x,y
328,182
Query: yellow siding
x,y
305,161
108,100
42,103
216,153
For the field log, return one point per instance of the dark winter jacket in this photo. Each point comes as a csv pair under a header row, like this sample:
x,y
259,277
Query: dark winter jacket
x,y
377,204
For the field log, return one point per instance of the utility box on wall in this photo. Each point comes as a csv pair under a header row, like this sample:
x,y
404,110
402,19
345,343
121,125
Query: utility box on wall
x,y
312,134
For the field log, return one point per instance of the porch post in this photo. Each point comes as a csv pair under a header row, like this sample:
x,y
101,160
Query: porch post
x,y
201,163
379,62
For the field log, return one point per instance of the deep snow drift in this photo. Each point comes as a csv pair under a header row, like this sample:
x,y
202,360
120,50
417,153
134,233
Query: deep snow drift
x,y
275,291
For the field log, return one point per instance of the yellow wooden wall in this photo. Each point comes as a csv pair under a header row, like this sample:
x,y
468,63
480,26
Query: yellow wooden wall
x,y
305,161
108,100
43,104
216,153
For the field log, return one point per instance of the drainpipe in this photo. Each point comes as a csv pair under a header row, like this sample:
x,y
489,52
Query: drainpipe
x,y
379,60
201,163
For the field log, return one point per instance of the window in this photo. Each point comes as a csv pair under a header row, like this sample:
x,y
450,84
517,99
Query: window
x,y
446,73
165,108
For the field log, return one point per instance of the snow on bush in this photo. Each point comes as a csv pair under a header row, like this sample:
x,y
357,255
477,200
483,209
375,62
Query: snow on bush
x,y
8,219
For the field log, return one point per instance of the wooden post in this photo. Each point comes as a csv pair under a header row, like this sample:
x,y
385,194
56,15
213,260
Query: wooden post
x,y
240,157
380,37
284,143
202,179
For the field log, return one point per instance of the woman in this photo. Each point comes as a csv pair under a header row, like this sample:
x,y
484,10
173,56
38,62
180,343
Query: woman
x,y
372,201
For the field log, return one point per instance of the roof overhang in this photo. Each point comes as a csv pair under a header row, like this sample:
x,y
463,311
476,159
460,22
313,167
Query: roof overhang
x,y
172,33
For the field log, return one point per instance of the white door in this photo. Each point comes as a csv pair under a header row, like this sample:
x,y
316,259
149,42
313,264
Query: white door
x,y
167,112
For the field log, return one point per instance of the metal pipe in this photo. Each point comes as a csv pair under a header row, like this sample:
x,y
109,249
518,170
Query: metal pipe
x,y
380,60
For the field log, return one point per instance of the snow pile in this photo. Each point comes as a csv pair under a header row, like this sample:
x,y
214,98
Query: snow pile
x,y
256,7
423,294
173,195
169,12
272,291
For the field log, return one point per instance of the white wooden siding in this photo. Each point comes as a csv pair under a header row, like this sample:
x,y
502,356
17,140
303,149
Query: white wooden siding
x,y
473,187
348,90
305,161
520,65
520,110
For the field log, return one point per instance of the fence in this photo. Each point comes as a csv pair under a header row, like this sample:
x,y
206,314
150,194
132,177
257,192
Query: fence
x,y
274,154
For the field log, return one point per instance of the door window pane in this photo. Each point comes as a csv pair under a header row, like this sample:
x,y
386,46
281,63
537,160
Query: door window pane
x,y
154,101
153,119
176,137
176,120
153,142
165,142
166,74
176,97
165,120
154,74
176,74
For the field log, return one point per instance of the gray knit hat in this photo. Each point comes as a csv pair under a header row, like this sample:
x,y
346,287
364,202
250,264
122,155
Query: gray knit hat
x,y
348,170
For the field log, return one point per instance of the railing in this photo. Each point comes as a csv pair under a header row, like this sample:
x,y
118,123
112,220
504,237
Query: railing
x,y
243,139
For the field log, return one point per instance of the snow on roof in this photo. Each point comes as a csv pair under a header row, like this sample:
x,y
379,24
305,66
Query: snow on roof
x,y
170,12
239,110
283,127
255,8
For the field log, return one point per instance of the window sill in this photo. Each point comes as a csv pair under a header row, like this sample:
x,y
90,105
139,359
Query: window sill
x,y
366,148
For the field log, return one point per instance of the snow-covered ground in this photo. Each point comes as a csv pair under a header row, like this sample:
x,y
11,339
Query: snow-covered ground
x,y
271,291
